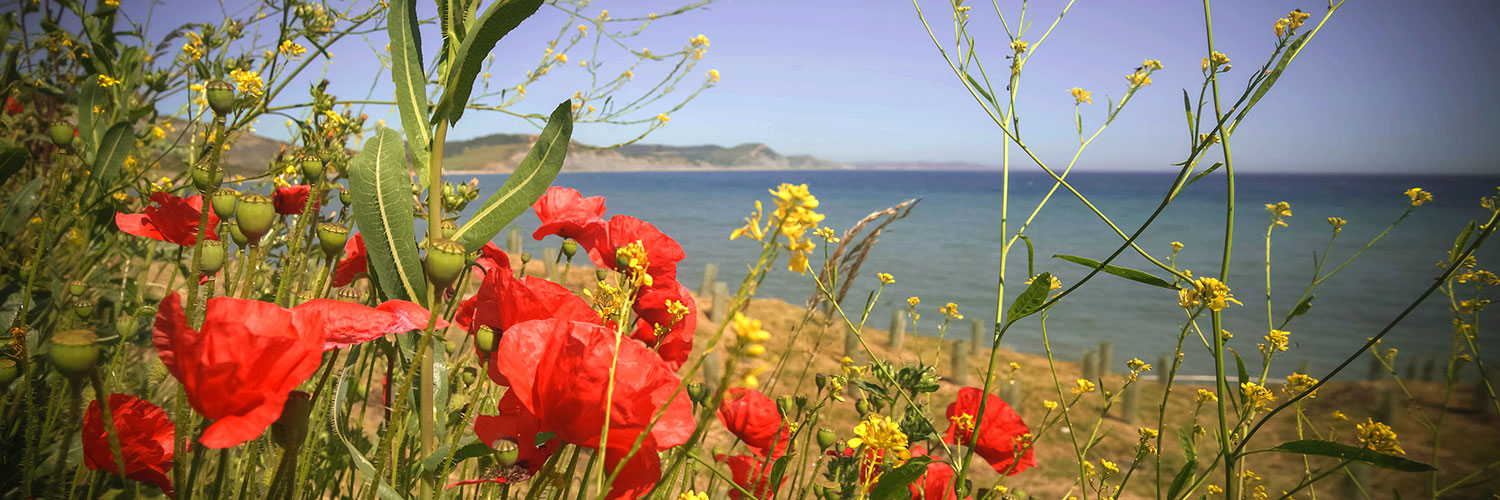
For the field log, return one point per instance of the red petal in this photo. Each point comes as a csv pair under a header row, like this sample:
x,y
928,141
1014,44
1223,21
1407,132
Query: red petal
x,y
566,213
291,200
354,263
997,431
145,434
754,418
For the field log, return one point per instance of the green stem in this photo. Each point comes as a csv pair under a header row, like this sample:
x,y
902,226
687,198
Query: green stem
x,y
109,421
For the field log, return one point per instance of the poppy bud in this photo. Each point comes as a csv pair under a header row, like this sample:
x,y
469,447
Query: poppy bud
x,y
697,392
207,176
826,438
448,228
862,406
784,404
468,378
220,97
358,391
254,214
449,347
820,380
600,274
212,258
74,352
291,429
223,202
506,452
525,257
351,295
344,196
77,287
801,402
125,325
305,296
62,134
312,166
820,491
485,339
332,236
238,236
83,308
8,371
445,260
569,248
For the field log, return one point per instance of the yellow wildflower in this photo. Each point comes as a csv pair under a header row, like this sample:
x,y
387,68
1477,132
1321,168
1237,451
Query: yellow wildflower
x,y
1276,341
1280,27
1054,285
248,81
1337,223
1176,246
796,214
1082,386
913,301
692,495
950,310
1298,383
158,133
521,89
1338,415
106,81
1418,196
1379,437
1081,96
1049,404
1018,46
583,29
1151,64
291,49
1279,211
699,41
1260,397
663,118
1204,396
1110,468
628,74
713,76
562,58
880,433
1214,60
1206,290
1140,78
1296,18
748,330
885,278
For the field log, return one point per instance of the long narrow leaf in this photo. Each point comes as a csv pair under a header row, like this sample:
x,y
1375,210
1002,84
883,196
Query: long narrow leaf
x,y
497,21
1031,300
525,185
1346,452
1127,273
411,81
381,190
113,149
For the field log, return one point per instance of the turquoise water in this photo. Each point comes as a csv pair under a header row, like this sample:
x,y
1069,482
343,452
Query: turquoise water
x,y
948,250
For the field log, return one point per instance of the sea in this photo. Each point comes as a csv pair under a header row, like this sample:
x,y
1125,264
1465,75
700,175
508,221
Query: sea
x,y
948,250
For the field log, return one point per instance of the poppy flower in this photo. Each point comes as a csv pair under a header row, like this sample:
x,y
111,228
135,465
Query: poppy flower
x,y
659,325
172,219
356,261
662,252
1001,431
936,483
516,424
290,200
239,367
559,370
566,213
754,418
504,301
751,474
13,106
145,433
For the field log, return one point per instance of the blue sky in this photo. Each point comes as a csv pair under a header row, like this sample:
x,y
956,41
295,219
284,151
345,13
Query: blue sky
x,y
1386,87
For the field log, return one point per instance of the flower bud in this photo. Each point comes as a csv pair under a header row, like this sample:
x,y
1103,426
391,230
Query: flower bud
x,y
862,406
332,236
351,295
83,308
485,339
223,202
125,325
77,287
62,134
506,452
448,228
445,261
312,167
9,370
821,381
220,97
449,347
74,352
358,391
601,273
525,257
290,430
207,176
826,438
254,214
344,196
469,378
697,392
569,247
305,296
785,403
801,402
212,258
238,236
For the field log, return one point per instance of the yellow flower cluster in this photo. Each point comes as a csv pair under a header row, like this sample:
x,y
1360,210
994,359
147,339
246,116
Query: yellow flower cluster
x,y
1279,212
885,278
713,76
1082,386
193,49
106,81
1298,383
1205,290
699,41
291,49
1019,46
634,258
678,310
1176,246
1479,277
1081,96
663,118
248,81
1337,223
1276,341
1418,196
1259,397
950,311
1110,468
880,433
1204,396
692,495
1378,437
1215,60
752,339
795,214
1140,78
1151,64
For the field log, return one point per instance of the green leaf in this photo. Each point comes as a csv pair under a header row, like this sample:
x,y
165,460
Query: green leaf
x,y
1345,452
1127,273
11,161
525,185
117,143
1030,255
361,463
1302,308
411,82
1270,80
1180,481
381,192
494,24
1031,300
18,209
1200,175
90,94
892,485
778,470
468,447
980,88
1463,239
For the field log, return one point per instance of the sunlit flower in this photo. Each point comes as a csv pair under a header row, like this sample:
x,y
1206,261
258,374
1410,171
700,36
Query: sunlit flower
x,y
1204,396
885,278
106,81
1259,397
1082,386
1276,341
1019,46
1418,196
713,76
145,434
950,310
1140,78
1002,438
1151,64
1298,383
1081,96
699,41
1378,437
291,49
1208,291
881,434
248,82
1279,212
1337,223
663,118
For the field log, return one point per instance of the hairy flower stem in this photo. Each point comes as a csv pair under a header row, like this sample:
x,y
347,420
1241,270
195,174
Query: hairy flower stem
x,y
395,424
434,232
70,421
109,421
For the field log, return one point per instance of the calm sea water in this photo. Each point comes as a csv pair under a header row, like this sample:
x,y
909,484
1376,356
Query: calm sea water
x,y
948,250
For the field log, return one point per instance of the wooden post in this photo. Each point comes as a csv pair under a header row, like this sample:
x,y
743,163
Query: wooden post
x,y
1010,392
713,369
1410,372
960,373
898,328
977,335
513,241
1377,370
1130,402
1091,365
1162,368
720,307
1429,368
710,275
549,262
1482,401
1106,358
852,349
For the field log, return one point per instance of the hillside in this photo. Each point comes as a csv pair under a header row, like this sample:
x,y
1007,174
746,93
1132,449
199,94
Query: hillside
x,y
501,152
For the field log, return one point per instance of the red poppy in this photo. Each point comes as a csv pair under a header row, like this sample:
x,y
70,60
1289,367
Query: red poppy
x,y
752,475
13,106
145,435
173,220
559,370
504,301
662,252
659,327
566,213
290,200
1001,431
355,262
936,483
753,417
516,424
347,323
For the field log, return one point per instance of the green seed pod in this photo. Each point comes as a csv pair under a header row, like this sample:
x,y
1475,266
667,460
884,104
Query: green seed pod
x,y
312,167
254,214
445,261
125,325
213,257
351,295
74,352
207,176
62,134
449,347
601,273
826,438
485,339
525,257
697,392
220,97
468,378
821,381
569,247
786,404
223,201
332,236
358,391
9,370
238,236
305,296
801,402
506,452
83,308
290,430
344,196
448,229
77,287
862,406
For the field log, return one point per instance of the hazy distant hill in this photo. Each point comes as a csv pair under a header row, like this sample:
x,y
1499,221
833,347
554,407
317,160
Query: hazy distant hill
x,y
501,153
